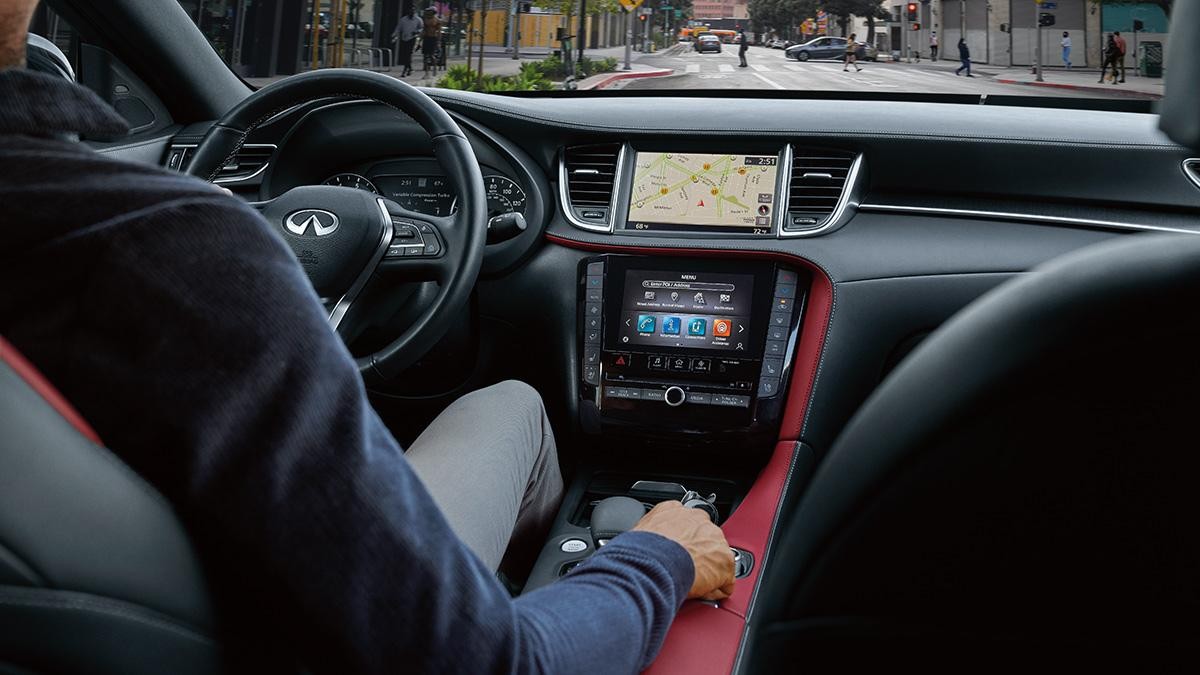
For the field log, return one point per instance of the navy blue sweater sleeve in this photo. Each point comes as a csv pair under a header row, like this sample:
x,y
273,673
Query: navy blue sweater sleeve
x,y
195,345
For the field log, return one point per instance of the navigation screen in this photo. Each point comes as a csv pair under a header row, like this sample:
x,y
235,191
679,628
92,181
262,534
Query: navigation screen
x,y
697,191
686,309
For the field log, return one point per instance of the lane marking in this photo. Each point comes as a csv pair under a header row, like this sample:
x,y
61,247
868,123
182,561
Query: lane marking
x,y
725,68
770,82
761,69
693,68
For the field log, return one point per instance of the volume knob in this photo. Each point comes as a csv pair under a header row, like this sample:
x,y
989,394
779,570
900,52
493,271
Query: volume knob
x,y
674,396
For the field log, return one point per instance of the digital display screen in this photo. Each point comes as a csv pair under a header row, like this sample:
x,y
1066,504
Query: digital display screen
x,y
430,195
696,310
703,192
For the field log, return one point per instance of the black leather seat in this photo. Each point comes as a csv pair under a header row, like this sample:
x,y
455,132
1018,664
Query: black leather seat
x,y
1022,491
96,573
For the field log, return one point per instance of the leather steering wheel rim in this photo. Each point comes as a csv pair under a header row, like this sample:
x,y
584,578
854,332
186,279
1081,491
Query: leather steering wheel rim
x,y
451,149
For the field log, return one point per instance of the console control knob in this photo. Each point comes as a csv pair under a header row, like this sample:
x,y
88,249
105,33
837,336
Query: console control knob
x,y
674,396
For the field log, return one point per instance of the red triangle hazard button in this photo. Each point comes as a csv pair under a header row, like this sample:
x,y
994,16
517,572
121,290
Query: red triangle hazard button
x,y
620,361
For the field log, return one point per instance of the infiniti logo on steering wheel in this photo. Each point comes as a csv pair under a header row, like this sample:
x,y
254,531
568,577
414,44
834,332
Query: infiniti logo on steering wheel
x,y
321,222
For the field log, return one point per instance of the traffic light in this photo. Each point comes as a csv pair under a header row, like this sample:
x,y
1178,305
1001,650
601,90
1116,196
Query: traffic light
x,y
916,26
1138,25
1045,19
912,11
642,18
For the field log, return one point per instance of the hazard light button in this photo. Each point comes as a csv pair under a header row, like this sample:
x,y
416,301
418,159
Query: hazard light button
x,y
621,359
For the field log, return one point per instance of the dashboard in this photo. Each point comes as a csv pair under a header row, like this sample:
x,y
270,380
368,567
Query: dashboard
x,y
424,191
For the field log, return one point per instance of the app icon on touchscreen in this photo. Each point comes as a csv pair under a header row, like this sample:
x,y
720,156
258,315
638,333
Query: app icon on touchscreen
x,y
722,328
671,325
697,326
645,323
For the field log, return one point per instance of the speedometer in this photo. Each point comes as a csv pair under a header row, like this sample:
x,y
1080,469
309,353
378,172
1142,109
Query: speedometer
x,y
503,195
352,180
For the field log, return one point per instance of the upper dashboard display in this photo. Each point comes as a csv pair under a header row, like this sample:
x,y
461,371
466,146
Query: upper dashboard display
x,y
703,192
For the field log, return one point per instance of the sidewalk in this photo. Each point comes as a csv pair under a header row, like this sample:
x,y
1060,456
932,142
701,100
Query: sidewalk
x,y
1085,80
1057,77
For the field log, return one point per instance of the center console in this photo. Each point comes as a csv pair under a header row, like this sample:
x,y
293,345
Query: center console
x,y
695,346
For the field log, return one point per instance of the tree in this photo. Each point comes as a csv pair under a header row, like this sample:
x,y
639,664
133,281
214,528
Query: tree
x,y
843,9
781,16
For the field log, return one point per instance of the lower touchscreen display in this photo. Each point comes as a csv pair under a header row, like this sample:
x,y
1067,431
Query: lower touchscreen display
x,y
703,192
673,309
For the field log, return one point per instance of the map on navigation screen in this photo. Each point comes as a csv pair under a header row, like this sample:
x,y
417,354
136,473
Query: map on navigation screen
x,y
674,190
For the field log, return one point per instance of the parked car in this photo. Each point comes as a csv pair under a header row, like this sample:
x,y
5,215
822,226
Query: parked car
x,y
708,43
777,44
829,48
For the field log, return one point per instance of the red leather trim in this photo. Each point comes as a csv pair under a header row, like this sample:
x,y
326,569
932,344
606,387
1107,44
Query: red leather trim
x,y
28,372
812,331
749,528
704,639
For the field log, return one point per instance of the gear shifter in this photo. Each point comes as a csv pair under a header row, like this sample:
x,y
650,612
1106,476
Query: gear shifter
x,y
614,515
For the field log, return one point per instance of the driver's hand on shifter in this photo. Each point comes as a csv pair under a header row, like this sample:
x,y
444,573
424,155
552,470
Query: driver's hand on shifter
x,y
703,540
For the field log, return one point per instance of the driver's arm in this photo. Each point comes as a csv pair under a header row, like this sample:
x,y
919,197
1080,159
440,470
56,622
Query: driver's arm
x,y
189,336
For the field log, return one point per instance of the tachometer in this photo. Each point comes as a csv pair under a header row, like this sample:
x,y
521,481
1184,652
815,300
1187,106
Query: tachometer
x,y
351,180
503,195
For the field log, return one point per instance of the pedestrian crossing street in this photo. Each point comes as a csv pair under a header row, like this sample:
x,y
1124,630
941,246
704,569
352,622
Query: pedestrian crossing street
x,y
771,69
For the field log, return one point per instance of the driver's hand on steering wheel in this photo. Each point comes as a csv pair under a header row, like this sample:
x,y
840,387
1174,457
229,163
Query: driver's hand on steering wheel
x,y
704,542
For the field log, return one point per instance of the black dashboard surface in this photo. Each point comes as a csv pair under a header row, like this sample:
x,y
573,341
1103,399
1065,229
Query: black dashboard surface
x,y
954,199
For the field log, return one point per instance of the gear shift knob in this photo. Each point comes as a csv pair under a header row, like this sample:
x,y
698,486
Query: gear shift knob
x,y
614,515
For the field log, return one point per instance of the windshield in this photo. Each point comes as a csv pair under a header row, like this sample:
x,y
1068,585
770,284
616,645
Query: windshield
x,y
1055,48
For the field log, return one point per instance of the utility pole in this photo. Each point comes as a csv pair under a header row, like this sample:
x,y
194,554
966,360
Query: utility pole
x,y
514,20
1037,50
582,28
628,38
962,19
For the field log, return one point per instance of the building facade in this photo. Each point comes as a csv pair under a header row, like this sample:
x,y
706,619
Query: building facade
x,y
1004,32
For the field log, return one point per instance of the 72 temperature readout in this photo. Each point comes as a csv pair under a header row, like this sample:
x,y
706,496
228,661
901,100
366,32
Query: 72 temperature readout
x,y
760,161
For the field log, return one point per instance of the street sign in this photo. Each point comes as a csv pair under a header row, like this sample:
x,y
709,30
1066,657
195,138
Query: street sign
x,y
646,11
631,5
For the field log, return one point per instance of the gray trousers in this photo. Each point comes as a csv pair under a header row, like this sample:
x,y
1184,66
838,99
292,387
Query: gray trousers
x,y
490,462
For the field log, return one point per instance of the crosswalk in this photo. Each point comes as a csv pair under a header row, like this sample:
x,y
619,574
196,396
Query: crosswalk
x,y
690,66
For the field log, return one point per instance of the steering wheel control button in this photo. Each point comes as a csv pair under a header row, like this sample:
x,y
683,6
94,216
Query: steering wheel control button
x,y
432,246
403,232
573,546
674,396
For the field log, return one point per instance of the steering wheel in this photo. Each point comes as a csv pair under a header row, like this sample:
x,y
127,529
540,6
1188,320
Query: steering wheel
x,y
343,236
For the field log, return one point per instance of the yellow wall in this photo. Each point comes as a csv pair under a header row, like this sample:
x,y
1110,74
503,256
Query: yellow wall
x,y
537,30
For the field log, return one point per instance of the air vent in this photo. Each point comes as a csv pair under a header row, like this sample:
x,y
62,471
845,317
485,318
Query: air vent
x,y
1191,169
818,180
249,162
589,174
